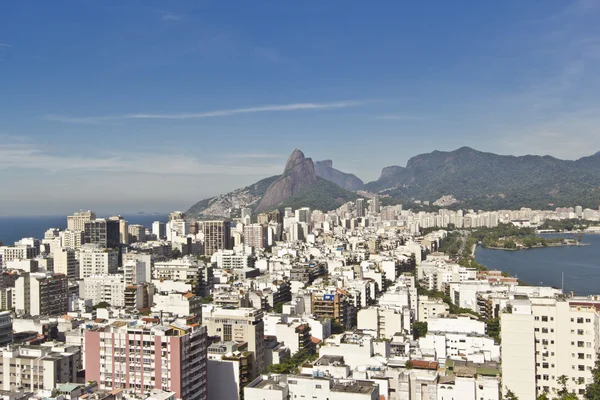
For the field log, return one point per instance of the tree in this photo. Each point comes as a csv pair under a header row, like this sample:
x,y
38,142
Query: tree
x,y
278,307
409,364
592,392
543,396
510,395
102,304
419,329
563,392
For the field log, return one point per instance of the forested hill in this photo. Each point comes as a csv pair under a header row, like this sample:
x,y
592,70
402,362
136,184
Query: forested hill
x,y
491,181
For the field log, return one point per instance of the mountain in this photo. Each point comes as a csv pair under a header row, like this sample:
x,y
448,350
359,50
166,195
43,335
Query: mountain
x,y
299,173
491,181
325,170
298,186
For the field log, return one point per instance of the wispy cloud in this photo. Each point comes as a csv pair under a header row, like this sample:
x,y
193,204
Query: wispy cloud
x,y
170,16
400,117
5,45
208,114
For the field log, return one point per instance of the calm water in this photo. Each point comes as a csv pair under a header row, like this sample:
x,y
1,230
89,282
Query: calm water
x,y
581,265
15,228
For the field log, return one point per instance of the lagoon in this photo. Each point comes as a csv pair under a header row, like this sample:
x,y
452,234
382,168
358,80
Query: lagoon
x,y
544,266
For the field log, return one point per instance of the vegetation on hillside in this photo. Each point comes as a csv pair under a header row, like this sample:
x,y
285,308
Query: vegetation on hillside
x,y
489,181
323,195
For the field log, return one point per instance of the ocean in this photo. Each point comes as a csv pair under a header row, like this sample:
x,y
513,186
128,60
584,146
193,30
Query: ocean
x,y
13,229
545,266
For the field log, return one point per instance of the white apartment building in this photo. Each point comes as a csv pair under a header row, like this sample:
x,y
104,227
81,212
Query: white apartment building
x,y
179,304
41,294
228,259
136,272
283,387
182,269
96,260
384,322
103,288
32,368
11,253
545,338
72,239
431,308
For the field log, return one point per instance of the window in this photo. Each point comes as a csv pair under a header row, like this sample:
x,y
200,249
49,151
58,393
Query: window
x,y
544,318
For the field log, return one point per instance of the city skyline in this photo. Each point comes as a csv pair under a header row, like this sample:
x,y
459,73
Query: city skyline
x,y
200,99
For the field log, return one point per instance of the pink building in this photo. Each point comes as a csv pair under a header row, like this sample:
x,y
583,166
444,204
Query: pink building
x,y
143,356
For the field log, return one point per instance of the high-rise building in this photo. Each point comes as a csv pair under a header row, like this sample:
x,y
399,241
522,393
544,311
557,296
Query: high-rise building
x,y
303,215
546,338
103,232
105,288
72,239
238,325
217,236
376,204
41,294
256,236
338,306
360,207
137,233
141,357
65,263
6,328
76,222
159,229
97,260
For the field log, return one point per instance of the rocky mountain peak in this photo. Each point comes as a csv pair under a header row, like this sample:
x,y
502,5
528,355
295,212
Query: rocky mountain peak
x,y
299,173
294,159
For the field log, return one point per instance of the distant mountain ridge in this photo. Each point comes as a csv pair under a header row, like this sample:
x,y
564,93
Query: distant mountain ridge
x,y
464,178
492,181
298,186
325,170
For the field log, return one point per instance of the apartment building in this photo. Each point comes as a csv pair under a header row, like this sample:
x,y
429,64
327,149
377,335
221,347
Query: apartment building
x,y
239,325
97,260
41,294
217,236
545,338
37,367
6,328
103,288
142,356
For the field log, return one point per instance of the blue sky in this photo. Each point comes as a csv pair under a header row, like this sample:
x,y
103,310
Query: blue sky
x,y
122,106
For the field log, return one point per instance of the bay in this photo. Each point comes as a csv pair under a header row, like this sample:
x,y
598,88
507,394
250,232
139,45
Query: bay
x,y
545,266
13,229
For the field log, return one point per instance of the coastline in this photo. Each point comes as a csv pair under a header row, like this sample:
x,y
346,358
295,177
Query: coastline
x,y
539,247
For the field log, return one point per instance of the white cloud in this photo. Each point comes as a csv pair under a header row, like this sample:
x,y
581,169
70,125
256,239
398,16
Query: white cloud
x,y
169,16
207,114
5,45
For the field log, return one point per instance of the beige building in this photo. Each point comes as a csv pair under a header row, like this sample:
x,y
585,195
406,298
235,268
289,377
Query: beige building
x,y
76,222
238,325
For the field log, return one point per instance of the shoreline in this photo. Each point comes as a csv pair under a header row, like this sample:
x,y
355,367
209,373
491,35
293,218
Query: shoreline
x,y
538,247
